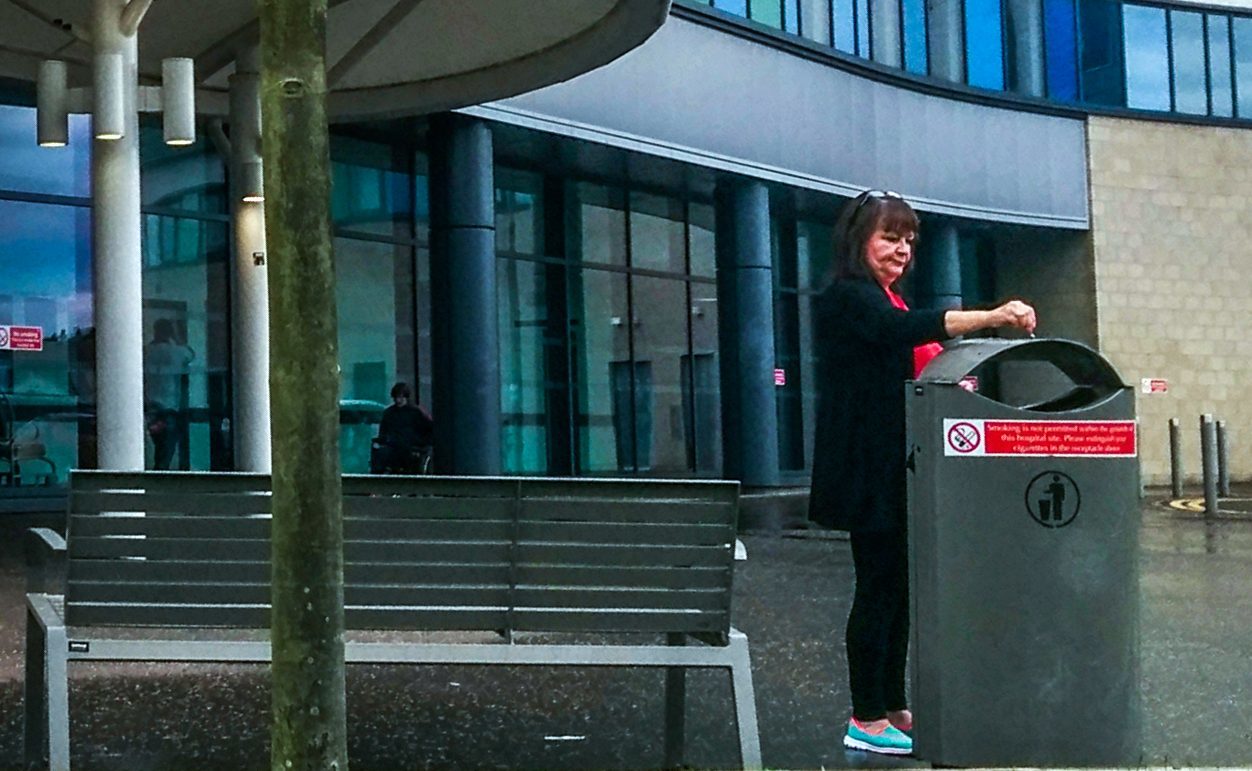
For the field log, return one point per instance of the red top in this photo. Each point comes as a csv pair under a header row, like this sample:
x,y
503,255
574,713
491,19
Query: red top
x,y
923,353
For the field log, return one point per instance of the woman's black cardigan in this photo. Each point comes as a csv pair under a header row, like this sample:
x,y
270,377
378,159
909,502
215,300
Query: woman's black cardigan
x,y
865,353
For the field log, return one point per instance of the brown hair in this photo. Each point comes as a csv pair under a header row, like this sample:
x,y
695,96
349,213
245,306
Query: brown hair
x,y
858,220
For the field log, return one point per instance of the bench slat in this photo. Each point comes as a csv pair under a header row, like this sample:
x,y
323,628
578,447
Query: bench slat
x,y
172,573
642,534
609,510
187,501
392,618
541,553
259,528
427,507
213,550
166,481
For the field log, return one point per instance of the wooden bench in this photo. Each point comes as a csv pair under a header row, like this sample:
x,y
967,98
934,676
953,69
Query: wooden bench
x,y
185,558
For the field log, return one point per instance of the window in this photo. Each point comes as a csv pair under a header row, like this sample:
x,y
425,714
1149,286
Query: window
x,y
1147,62
984,44
791,16
1101,64
845,25
1241,26
47,397
1061,54
29,168
1186,32
656,233
737,7
815,20
1219,65
767,12
862,29
915,59
1023,46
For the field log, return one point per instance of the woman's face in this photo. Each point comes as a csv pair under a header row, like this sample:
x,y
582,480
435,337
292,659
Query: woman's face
x,y
887,254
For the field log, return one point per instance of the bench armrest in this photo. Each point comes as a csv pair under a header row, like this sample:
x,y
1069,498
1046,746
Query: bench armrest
x,y
45,561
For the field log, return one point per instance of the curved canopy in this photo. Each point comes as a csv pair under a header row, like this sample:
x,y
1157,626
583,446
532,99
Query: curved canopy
x,y
384,57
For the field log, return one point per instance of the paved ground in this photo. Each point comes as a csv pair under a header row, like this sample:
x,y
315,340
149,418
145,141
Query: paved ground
x,y
791,600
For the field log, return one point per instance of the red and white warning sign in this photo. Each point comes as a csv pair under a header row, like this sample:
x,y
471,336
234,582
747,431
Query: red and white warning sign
x,y
21,338
1025,438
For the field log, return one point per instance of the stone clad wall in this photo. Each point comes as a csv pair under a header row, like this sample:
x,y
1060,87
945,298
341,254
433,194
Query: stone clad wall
x,y
1171,216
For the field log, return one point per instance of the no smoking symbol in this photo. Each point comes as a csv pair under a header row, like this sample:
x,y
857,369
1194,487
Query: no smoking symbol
x,y
4,337
964,437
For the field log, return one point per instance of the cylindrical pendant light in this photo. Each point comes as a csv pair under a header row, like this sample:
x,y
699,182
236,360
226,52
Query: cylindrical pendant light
x,y
109,117
252,182
178,100
50,105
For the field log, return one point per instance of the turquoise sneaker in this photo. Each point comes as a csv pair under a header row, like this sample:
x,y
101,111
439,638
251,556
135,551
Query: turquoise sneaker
x,y
888,741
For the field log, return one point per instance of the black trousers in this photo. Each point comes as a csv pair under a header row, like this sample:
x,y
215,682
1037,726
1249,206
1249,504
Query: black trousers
x,y
878,626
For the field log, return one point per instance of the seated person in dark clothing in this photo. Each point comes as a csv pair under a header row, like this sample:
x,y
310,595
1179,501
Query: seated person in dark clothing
x,y
405,435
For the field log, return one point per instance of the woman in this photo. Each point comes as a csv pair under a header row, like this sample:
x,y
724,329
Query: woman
x,y
869,343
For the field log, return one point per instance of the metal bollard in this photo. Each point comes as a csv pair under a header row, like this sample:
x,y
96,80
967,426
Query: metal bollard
x,y
1223,470
1208,462
1175,458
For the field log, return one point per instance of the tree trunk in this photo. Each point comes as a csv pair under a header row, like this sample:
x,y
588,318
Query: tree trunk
x,y
309,726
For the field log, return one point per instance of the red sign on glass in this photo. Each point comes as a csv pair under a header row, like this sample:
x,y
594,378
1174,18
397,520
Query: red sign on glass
x,y
21,338
780,377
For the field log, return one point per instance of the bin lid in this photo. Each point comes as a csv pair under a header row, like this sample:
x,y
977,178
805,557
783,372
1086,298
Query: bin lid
x,y
1091,375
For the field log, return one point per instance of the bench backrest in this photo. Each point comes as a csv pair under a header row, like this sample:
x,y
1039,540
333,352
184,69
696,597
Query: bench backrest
x,y
420,553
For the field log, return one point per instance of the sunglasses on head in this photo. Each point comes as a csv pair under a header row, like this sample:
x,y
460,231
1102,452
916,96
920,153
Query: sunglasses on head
x,y
868,194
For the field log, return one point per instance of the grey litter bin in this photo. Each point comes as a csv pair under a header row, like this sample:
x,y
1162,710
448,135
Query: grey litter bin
x,y
1023,535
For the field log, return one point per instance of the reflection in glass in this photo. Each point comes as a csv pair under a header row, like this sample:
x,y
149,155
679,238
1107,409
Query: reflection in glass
x,y
1101,71
915,59
737,7
845,25
28,168
791,16
1147,62
984,44
660,346
190,178
768,12
815,20
700,239
862,29
519,215
186,334
601,358
1219,65
813,253
47,397
1186,32
372,188
1061,55
1241,26
600,224
374,297
523,318
656,233
706,406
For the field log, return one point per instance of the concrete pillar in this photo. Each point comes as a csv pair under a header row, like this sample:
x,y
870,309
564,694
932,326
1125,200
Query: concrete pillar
x,y
884,19
117,259
1024,19
465,349
250,325
745,332
938,267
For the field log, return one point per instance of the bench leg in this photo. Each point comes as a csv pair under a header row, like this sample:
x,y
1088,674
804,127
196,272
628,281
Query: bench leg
x,y
47,696
745,701
675,708
34,705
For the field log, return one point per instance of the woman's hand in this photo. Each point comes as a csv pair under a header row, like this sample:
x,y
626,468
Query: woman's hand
x,y
1013,313
1016,313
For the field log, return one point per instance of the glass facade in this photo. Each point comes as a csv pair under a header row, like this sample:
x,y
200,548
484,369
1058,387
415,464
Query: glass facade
x,y
1100,53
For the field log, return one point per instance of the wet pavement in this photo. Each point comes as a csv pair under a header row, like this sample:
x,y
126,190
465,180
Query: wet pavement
x,y
791,600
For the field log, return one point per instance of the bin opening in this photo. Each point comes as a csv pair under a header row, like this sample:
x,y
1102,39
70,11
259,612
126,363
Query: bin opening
x,y
1040,375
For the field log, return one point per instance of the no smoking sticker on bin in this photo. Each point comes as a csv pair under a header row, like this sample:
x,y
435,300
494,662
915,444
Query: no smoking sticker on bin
x,y
1033,438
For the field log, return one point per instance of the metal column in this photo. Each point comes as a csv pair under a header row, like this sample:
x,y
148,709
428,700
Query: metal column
x,y
250,326
939,267
464,330
745,333
117,259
